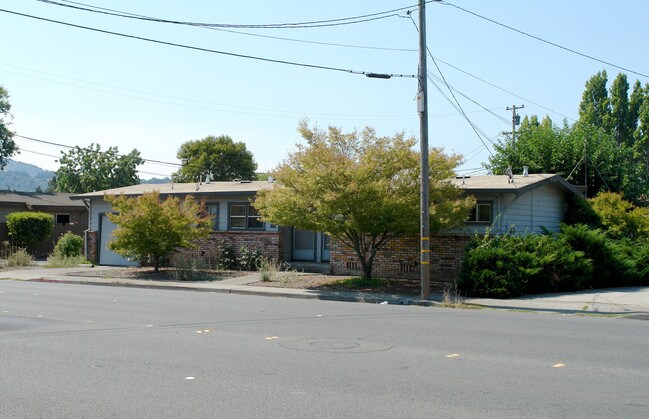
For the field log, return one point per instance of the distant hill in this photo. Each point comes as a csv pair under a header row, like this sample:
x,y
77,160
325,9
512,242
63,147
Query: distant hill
x,y
156,180
24,177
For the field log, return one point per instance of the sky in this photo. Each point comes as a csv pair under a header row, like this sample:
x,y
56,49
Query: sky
x,y
75,87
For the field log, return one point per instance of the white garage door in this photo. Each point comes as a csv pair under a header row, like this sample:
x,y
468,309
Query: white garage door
x,y
106,256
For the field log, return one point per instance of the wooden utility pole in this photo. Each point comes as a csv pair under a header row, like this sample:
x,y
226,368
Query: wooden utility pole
x,y
516,120
422,109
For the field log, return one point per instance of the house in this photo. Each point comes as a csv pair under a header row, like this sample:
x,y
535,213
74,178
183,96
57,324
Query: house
x,y
67,215
519,204
237,223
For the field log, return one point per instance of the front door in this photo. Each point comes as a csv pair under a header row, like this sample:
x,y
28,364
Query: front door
x,y
303,245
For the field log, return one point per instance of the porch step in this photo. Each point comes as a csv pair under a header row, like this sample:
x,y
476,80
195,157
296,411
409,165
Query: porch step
x,y
312,267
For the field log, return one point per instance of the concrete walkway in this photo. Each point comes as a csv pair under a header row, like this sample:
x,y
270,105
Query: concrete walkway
x,y
630,300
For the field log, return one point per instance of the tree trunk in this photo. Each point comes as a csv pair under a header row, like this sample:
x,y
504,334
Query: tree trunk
x,y
156,263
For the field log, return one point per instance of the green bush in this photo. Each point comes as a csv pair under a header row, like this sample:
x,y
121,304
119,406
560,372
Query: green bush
x,y
29,228
221,257
511,266
19,257
69,245
612,265
249,260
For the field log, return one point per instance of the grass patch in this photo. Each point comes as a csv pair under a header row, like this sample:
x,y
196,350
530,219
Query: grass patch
x,y
359,282
58,261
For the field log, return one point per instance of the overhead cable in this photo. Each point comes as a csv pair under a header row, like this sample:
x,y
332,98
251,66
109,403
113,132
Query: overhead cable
x,y
554,44
231,54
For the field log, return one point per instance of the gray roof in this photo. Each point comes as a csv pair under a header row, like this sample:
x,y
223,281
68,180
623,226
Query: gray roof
x,y
33,199
520,185
195,189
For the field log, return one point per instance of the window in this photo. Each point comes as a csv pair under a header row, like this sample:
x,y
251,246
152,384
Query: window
x,y
213,209
63,219
244,217
482,213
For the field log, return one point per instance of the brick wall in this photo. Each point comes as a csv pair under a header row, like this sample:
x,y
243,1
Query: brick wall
x,y
270,243
92,241
399,259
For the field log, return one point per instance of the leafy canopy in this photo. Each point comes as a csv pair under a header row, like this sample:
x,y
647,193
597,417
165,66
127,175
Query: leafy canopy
x,y
607,149
361,189
149,230
90,169
7,146
220,157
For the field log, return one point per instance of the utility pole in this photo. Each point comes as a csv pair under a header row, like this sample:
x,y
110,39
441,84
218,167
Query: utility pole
x,y
516,120
422,109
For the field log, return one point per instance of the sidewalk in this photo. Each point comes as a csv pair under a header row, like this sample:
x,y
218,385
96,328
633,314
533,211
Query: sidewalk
x,y
630,300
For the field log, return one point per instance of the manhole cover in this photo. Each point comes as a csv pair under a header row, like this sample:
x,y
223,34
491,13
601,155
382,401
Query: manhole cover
x,y
333,345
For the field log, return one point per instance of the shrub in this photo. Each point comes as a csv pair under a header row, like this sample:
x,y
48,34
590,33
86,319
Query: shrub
x,y
29,228
19,257
191,269
510,266
69,245
221,257
249,260
610,265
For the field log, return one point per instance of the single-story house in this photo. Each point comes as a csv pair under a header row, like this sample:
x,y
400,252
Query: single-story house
x,y
519,204
67,215
236,222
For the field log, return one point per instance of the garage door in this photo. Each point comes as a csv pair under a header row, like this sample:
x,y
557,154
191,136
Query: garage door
x,y
108,257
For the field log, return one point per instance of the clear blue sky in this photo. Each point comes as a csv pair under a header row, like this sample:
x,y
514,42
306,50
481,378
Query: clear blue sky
x,y
75,87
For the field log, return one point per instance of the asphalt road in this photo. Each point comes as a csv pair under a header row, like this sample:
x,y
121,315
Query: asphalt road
x,y
89,351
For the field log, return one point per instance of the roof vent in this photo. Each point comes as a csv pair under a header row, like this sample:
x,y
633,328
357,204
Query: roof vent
x,y
526,171
510,175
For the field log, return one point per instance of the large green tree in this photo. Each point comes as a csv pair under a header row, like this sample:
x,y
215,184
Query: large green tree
x,y
149,229
361,189
219,157
7,145
89,169
607,149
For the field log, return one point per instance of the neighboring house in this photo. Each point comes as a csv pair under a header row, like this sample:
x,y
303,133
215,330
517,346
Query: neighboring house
x,y
67,215
520,205
236,224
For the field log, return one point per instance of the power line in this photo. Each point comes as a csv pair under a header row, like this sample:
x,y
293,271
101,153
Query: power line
x,y
295,25
295,113
122,13
554,44
231,54
458,107
501,88
71,147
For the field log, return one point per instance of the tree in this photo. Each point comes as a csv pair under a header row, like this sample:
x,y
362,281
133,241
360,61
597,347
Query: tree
x,y
595,106
220,157
620,109
7,146
361,189
149,230
620,217
89,169
28,228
